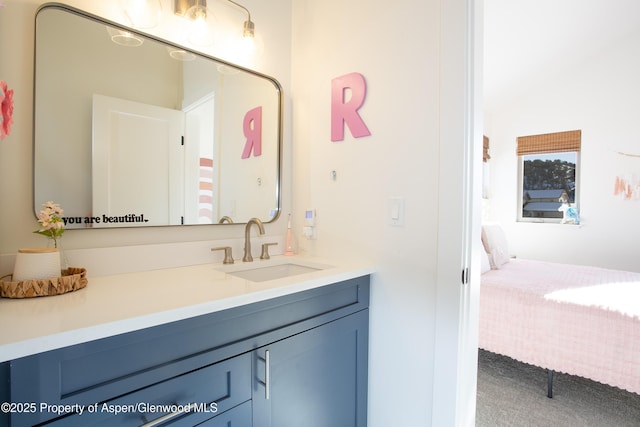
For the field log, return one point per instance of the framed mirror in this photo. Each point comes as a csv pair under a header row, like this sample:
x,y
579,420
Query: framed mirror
x,y
133,131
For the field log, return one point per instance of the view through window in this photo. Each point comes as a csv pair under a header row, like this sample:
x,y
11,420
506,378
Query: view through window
x,y
548,183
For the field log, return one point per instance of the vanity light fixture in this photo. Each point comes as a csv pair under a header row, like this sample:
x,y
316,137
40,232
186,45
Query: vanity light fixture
x,y
180,7
251,46
201,21
197,9
249,28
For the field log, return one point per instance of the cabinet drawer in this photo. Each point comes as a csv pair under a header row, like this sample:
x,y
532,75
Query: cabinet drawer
x,y
188,399
240,416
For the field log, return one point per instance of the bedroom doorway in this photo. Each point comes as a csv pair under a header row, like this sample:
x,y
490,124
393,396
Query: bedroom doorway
x,y
503,17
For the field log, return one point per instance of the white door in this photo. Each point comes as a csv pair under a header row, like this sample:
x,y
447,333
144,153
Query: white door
x,y
137,164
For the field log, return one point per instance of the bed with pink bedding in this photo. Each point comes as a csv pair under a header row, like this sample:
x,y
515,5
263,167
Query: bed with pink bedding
x,y
578,320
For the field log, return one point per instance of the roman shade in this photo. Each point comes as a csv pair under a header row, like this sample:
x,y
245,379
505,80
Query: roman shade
x,y
556,142
485,149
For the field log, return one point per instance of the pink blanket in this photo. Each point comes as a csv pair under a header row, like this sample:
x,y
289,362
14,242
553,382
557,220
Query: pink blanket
x,y
578,320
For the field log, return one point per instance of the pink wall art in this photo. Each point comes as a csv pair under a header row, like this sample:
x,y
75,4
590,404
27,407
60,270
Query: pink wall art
x,y
347,96
627,184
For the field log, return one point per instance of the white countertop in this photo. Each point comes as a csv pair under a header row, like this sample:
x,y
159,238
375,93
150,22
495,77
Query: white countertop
x,y
120,303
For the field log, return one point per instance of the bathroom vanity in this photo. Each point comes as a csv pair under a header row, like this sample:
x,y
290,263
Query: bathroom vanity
x,y
280,342
191,346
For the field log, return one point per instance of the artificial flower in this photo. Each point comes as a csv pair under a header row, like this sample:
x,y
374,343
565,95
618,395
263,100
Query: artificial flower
x,y
6,109
51,222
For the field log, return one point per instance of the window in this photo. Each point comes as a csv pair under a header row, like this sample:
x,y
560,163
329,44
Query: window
x,y
548,177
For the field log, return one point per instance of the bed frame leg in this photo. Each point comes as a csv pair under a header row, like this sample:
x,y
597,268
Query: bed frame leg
x,y
550,384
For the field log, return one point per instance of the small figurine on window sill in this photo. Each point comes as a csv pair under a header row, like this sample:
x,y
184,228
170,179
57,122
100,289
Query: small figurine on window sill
x,y
569,213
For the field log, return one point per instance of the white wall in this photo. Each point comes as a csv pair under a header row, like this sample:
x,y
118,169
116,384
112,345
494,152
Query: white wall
x,y
600,97
396,46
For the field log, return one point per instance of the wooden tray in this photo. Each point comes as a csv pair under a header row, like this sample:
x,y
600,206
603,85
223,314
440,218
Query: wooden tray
x,y
72,279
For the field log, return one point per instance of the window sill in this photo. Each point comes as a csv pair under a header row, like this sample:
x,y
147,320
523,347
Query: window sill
x,y
550,223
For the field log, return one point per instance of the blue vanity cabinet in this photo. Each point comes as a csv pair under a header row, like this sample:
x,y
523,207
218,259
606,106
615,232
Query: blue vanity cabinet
x,y
314,379
240,416
5,394
317,344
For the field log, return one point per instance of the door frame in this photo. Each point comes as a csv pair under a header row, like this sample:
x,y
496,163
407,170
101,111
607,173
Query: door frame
x,y
460,190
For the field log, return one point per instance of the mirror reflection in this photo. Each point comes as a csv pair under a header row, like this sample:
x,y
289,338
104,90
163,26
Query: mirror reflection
x,y
132,131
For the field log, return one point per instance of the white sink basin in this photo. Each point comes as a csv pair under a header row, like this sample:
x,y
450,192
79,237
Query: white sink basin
x,y
272,271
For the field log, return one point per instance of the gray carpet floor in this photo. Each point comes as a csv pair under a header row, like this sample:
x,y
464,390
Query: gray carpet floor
x,y
515,394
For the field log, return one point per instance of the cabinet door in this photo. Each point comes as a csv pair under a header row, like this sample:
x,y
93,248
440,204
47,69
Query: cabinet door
x,y
317,378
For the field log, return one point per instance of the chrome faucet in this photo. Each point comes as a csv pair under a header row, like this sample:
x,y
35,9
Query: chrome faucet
x,y
247,238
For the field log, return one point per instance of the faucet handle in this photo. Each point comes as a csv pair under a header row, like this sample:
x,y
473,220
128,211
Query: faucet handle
x,y
228,258
265,250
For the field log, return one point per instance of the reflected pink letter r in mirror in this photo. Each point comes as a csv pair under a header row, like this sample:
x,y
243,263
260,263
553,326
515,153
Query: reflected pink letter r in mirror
x,y
252,127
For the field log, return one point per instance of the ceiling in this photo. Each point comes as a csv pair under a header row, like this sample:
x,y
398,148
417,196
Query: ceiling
x,y
527,39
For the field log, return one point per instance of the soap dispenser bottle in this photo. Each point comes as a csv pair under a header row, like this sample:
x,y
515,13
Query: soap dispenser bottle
x,y
289,244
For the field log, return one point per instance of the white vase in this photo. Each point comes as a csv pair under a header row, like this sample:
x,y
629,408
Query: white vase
x,y
36,263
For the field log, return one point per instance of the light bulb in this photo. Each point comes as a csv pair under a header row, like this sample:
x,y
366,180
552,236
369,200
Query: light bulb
x,y
251,43
244,49
248,47
201,25
142,13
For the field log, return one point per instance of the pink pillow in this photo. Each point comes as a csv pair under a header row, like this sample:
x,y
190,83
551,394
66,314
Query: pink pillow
x,y
485,265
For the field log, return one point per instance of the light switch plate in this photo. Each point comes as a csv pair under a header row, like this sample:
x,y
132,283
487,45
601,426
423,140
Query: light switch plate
x,y
395,214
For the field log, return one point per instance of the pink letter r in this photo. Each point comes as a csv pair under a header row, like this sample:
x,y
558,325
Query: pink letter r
x,y
252,127
346,112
